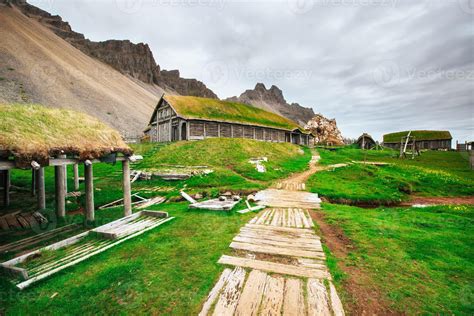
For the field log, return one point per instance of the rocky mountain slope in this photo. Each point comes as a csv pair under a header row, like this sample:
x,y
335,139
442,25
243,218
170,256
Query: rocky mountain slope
x,y
135,60
326,130
37,66
272,100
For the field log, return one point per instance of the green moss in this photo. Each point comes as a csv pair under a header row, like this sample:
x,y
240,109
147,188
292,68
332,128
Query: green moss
x,y
203,108
419,135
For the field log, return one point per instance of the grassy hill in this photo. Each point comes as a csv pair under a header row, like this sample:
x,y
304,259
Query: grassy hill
x,y
431,174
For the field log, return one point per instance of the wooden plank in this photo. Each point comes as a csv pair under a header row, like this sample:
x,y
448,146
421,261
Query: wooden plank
x,y
206,307
317,298
41,194
276,218
64,266
311,223
187,197
293,303
277,233
304,220
298,221
291,215
251,297
228,299
291,252
336,304
269,236
262,217
285,244
274,267
282,229
272,300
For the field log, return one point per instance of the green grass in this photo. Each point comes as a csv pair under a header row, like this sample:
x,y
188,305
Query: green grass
x,y
214,109
229,159
420,258
168,270
431,174
419,135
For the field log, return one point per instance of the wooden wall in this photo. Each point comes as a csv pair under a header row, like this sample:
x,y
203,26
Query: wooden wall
x,y
425,144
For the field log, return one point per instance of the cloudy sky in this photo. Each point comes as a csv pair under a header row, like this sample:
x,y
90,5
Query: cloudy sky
x,y
376,66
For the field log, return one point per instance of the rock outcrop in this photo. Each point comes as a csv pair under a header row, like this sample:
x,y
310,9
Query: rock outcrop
x,y
326,130
272,100
135,60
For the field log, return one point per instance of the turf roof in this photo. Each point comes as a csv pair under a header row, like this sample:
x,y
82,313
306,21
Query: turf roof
x,y
419,135
34,132
212,109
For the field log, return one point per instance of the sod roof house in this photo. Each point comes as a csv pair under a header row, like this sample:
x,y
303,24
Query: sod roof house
x,y
34,137
365,141
424,139
192,118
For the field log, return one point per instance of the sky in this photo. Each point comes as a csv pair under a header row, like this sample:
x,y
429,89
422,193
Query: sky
x,y
376,66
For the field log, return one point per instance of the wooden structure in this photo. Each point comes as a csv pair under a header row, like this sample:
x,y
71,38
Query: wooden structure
x,y
435,140
466,146
173,120
365,141
85,141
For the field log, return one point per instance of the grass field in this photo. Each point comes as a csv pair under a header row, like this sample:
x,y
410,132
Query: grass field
x,y
421,259
431,174
168,270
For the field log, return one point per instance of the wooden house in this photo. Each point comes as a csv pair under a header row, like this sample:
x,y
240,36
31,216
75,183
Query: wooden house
x,y
424,139
193,118
365,141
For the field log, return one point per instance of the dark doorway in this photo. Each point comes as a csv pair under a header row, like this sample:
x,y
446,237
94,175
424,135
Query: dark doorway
x,y
174,133
184,131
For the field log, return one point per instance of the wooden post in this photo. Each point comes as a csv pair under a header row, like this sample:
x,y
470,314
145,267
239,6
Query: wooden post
x,y
65,174
127,194
41,194
218,130
33,182
6,188
76,177
60,192
89,188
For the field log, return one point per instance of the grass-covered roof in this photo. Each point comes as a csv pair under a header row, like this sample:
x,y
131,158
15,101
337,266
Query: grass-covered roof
x,y
212,109
419,135
34,132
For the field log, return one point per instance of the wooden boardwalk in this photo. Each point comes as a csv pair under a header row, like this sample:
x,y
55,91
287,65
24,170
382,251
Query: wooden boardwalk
x,y
278,269
277,264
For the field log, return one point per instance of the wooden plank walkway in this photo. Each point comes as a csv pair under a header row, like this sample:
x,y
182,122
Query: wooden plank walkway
x,y
279,269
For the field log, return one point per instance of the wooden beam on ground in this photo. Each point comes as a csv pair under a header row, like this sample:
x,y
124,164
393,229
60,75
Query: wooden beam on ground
x,y
41,194
127,195
76,177
60,193
89,188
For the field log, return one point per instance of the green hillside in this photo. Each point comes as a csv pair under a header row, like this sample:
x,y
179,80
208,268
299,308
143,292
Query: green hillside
x,y
419,135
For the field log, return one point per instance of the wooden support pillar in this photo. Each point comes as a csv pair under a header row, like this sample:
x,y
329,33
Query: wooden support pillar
x,y
65,174
60,192
89,188
127,194
41,195
76,177
33,182
6,188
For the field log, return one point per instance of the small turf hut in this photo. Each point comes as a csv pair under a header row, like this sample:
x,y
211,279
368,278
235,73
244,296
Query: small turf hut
x,y
34,137
365,141
424,139
193,118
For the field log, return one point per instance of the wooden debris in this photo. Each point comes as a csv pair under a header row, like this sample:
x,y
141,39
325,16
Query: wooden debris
x,y
277,250
336,304
216,204
187,197
150,202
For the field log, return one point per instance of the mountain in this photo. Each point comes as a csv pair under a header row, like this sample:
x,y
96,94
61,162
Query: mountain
x,y
37,66
272,100
135,60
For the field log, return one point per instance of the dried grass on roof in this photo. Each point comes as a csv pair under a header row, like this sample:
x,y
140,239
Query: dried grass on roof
x,y
419,135
34,132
